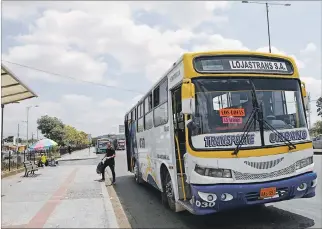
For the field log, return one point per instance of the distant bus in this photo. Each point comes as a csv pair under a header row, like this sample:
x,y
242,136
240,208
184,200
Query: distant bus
x,y
101,145
120,144
223,130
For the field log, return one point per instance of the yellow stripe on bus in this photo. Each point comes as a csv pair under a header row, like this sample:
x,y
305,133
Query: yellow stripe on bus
x,y
247,153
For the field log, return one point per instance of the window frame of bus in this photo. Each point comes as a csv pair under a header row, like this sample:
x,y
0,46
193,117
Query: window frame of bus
x,y
223,56
165,80
133,117
149,99
140,115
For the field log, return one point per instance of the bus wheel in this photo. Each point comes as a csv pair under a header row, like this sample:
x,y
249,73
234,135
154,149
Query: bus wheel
x,y
137,176
169,192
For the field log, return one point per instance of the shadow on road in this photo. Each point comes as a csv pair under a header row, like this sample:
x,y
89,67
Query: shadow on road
x,y
142,205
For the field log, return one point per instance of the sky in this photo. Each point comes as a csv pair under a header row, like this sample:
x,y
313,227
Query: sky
x,y
129,46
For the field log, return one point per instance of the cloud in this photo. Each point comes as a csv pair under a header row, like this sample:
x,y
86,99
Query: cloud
x,y
310,47
300,64
99,117
75,39
198,11
313,86
56,59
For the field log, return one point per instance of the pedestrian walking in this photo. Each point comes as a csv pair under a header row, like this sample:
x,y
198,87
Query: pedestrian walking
x,y
109,161
115,144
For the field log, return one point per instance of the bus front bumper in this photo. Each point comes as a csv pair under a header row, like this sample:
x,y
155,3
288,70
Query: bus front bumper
x,y
229,196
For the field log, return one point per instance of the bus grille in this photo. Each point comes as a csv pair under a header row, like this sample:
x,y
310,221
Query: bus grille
x,y
265,164
259,176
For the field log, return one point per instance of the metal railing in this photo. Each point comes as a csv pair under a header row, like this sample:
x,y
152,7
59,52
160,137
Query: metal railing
x,y
14,160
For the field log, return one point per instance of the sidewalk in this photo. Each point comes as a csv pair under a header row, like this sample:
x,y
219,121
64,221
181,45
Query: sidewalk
x,y
58,197
79,155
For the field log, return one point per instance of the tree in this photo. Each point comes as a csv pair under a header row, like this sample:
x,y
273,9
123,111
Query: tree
x,y
70,135
51,127
319,106
317,128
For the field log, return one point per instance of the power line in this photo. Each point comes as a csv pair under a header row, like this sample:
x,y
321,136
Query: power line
x,y
72,78
84,81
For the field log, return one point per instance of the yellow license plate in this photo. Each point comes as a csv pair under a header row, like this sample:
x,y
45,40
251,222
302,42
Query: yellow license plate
x,y
267,192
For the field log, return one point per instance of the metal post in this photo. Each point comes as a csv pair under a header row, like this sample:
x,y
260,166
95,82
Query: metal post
x,y
27,126
9,159
268,31
2,109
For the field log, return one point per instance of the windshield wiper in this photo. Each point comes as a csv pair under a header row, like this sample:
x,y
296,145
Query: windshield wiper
x,y
252,118
257,115
246,130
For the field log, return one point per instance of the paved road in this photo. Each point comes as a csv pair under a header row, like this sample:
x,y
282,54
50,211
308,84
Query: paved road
x,y
143,207
87,153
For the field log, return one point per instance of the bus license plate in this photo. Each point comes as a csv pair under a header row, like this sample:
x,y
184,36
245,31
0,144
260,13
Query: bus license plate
x,y
267,192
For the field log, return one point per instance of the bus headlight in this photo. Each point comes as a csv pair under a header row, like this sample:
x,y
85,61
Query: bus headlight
x,y
304,162
223,173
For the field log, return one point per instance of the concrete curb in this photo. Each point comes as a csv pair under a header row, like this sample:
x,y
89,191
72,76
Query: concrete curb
x,y
119,212
112,220
11,173
75,159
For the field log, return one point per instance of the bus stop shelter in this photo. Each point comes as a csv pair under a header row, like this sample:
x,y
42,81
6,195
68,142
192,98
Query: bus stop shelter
x,y
12,91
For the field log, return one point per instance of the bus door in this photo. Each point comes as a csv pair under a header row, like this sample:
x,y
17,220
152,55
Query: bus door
x,y
179,142
127,142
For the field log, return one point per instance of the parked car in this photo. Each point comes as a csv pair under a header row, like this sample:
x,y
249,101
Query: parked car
x,y
317,143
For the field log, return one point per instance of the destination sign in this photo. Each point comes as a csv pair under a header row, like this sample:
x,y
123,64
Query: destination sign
x,y
228,140
242,64
258,65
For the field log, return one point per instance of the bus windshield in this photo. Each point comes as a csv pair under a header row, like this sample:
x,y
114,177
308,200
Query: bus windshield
x,y
224,105
102,144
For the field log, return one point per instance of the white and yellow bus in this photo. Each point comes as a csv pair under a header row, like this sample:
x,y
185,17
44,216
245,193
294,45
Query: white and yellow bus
x,y
222,130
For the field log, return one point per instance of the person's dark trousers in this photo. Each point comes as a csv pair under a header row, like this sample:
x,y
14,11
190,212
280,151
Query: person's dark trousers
x,y
112,167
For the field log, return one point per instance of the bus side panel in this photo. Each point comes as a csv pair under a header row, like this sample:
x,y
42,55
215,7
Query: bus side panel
x,y
146,146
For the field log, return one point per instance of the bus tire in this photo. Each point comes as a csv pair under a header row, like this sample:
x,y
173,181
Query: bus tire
x,y
137,177
168,193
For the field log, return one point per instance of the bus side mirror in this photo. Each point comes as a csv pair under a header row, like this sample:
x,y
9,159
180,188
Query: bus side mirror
x,y
188,97
303,89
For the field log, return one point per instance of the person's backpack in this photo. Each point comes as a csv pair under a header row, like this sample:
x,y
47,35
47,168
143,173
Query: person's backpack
x,y
99,167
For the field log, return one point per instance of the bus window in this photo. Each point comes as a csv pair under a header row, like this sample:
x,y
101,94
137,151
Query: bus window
x,y
156,97
160,113
148,103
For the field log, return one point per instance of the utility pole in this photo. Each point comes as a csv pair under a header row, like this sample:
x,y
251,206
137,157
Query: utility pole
x,y
32,138
27,125
28,122
267,4
18,134
269,34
